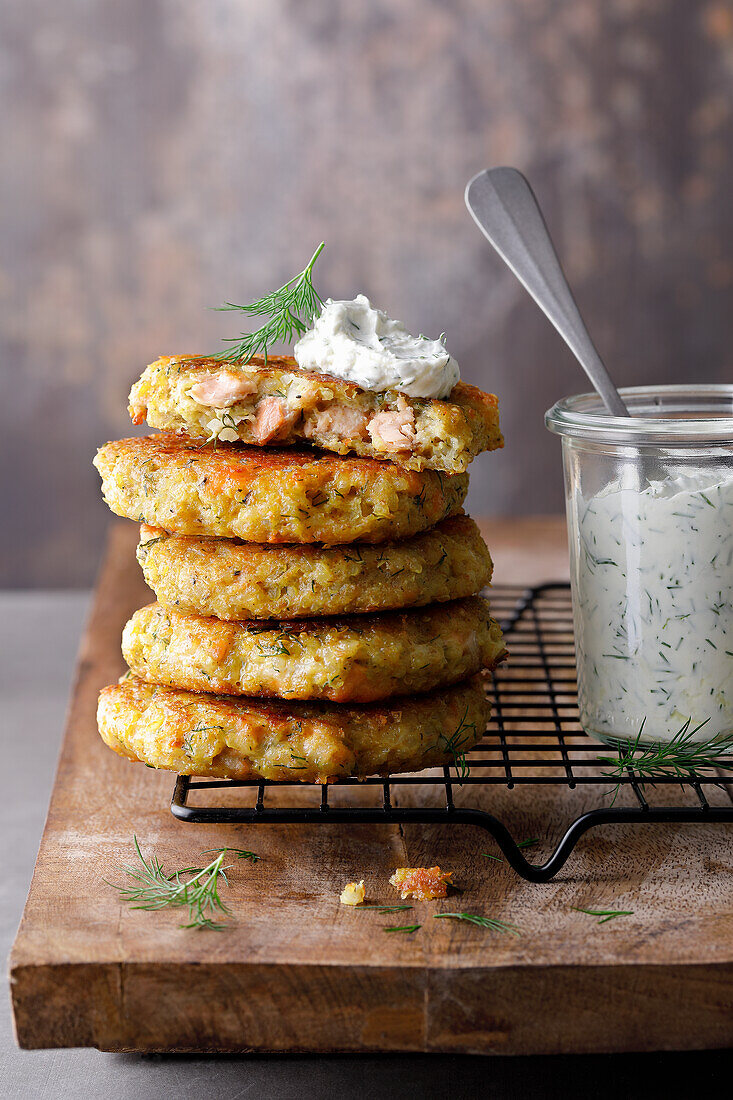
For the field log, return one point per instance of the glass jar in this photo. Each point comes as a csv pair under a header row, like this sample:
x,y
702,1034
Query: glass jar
x,y
650,524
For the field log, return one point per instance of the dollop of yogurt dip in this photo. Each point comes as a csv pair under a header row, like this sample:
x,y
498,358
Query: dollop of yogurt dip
x,y
358,343
653,587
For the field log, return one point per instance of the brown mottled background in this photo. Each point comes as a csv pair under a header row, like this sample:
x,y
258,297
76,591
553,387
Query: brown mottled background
x,y
160,156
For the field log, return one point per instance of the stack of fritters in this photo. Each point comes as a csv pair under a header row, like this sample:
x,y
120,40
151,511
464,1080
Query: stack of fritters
x,y
316,615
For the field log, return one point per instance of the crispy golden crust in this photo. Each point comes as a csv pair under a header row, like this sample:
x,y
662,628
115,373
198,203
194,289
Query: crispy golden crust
x,y
358,658
240,580
445,435
263,495
207,735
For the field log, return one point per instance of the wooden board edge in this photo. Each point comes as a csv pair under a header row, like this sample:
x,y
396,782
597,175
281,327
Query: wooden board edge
x,y
210,1008
581,1009
214,1008
117,543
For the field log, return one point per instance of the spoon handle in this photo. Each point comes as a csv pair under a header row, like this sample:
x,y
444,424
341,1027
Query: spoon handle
x,y
504,208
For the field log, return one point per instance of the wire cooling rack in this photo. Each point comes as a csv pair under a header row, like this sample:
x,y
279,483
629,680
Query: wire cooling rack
x,y
533,738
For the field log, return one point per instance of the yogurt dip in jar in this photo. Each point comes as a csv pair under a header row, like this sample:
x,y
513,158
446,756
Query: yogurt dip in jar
x,y
650,524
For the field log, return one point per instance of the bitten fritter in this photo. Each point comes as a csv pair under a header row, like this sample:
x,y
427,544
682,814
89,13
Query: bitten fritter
x,y
207,735
263,495
239,580
357,658
278,404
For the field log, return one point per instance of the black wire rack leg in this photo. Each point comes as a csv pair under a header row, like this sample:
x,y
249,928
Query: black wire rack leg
x,y
389,814
533,738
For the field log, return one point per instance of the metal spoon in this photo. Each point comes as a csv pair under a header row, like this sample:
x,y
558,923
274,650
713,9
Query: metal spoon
x,y
504,208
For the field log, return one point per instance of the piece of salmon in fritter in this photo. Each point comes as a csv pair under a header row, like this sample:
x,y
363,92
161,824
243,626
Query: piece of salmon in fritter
x,y
275,403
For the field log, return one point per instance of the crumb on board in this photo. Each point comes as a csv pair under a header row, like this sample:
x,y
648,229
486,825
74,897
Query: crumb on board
x,y
422,883
353,893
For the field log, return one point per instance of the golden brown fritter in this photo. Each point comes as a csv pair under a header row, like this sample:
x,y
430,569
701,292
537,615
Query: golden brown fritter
x,y
243,580
208,735
357,658
264,495
279,404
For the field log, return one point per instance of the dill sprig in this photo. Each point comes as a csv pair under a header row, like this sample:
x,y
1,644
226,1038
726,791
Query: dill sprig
x,y
153,887
454,745
287,309
681,757
240,853
493,923
408,928
604,915
528,843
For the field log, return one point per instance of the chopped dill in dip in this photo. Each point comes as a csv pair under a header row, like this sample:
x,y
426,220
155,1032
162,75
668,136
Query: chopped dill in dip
x,y
358,343
653,594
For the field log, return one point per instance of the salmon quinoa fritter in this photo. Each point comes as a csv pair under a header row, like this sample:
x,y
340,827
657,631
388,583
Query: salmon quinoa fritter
x,y
208,735
358,658
239,580
276,403
260,495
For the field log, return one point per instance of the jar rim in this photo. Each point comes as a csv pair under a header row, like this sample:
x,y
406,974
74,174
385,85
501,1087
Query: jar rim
x,y
674,414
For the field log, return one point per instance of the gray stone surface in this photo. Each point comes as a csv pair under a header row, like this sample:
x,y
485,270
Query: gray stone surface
x,y
160,157
38,637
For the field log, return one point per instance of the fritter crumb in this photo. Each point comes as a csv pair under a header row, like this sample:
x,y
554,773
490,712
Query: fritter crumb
x,y
353,893
422,883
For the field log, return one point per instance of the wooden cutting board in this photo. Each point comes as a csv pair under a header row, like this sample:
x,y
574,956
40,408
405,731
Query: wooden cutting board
x,y
295,971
